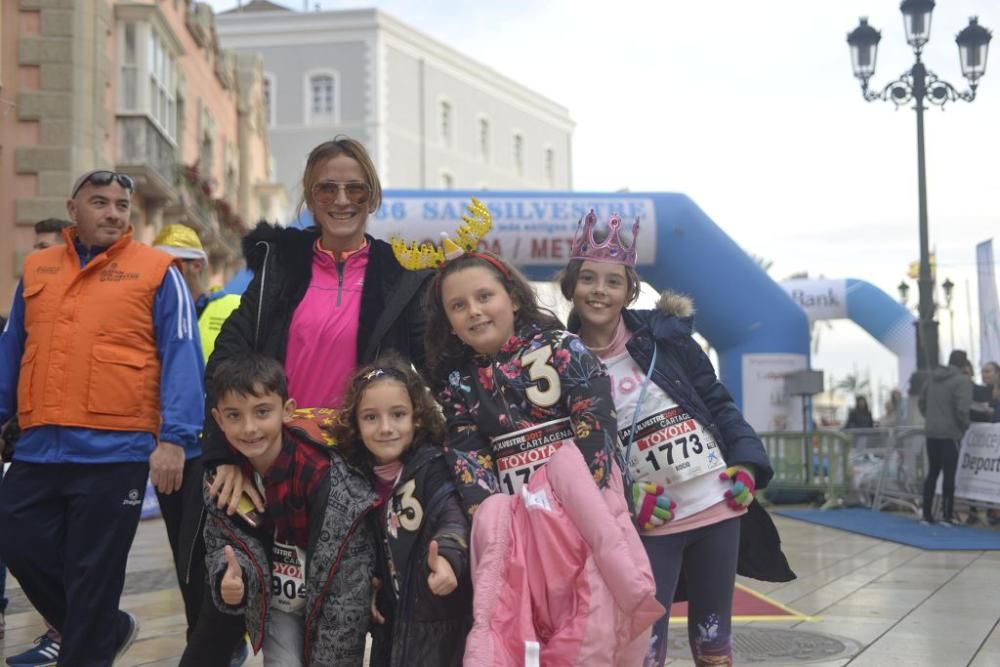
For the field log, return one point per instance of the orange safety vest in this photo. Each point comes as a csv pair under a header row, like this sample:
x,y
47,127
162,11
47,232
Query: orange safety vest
x,y
90,357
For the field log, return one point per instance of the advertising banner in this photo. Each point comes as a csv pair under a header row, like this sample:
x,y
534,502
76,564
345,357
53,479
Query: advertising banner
x,y
989,312
978,476
765,404
821,299
527,231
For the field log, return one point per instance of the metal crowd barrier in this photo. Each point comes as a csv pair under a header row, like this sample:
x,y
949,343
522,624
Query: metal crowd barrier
x,y
888,466
815,461
880,468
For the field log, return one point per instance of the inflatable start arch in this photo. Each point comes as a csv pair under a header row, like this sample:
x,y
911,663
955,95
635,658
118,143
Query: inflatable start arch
x,y
888,321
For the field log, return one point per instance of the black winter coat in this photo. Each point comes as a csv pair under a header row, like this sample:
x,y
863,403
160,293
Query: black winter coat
x,y
392,309
422,628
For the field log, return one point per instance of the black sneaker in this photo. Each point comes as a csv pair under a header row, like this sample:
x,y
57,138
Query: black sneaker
x,y
133,632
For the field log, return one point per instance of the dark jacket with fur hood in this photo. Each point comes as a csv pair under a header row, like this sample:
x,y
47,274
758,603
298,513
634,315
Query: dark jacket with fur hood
x,y
392,310
684,372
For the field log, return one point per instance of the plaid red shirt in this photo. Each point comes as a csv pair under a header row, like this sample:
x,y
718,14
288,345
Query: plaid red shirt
x,y
288,484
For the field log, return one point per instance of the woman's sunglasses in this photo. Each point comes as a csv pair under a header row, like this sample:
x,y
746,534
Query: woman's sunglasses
x,y
102,178
325,193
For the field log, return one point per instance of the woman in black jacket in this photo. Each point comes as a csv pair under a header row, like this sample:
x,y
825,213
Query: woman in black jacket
x,y
323,300
860,416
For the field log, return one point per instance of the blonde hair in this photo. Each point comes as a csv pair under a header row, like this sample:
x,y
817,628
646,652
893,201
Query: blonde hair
x,y
340,145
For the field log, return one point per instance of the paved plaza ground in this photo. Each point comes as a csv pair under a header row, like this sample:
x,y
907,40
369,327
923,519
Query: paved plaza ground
x,y
869,603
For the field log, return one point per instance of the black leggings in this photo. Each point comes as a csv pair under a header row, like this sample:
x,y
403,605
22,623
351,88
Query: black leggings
x,y
941,454
708,555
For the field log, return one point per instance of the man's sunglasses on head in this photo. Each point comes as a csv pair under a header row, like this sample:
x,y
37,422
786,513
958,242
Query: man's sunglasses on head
x,y
325,192
101,178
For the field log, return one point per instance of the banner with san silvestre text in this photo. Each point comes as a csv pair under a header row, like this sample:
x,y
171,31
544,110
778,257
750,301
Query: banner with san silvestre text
x,y
978,476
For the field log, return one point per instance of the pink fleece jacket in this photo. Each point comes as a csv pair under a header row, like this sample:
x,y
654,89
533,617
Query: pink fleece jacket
x,y
323,337
562,566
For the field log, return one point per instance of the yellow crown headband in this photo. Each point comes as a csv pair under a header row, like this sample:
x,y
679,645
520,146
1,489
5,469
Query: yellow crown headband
x,y
428,256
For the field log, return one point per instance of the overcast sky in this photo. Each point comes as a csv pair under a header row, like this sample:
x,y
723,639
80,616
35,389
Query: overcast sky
x,y
751,109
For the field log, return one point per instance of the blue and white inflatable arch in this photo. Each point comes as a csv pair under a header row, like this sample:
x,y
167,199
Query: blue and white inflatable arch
x,y
888,321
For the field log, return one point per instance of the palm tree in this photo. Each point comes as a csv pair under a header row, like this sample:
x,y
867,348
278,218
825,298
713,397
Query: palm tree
x,y
853,384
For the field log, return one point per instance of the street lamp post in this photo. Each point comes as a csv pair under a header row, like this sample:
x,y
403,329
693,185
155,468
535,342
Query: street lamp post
x,y
920,86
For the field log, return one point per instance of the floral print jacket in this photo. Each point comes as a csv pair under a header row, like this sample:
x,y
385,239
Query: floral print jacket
x,y
538,377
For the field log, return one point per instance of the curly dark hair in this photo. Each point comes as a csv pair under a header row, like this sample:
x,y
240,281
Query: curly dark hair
x,y
428,422
445,351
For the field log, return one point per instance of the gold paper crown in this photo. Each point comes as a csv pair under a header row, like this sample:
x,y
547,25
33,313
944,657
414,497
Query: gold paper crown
x,y
415,257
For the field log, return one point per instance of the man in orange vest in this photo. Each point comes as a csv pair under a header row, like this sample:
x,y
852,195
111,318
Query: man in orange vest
x,y
101,361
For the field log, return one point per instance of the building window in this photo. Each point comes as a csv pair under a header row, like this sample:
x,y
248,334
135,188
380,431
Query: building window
x,y
447,181
162,85
129,69
321,97
484,139
518,146
550,167
231,160
267,95
206,142
180,113
446,123
148,75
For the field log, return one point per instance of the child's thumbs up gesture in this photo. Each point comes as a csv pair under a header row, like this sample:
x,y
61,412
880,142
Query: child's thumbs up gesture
x,y
232,580
442,578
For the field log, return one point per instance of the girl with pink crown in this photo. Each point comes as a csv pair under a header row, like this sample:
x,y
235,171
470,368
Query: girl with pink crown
x,y
693,463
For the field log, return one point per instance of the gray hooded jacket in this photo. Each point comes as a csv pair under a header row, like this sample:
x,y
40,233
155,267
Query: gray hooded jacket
x,y
945,403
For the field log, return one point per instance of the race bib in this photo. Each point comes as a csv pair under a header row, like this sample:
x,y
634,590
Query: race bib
x,y
670,447
288,580
520,453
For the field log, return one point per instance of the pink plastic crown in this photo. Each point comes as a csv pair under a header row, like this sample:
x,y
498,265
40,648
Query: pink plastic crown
x,y
611,250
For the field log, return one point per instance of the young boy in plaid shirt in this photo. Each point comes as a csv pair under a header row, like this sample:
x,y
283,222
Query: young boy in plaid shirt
x,y
308,560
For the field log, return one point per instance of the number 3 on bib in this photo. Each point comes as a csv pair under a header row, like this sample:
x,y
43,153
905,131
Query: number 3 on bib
x,y
539,369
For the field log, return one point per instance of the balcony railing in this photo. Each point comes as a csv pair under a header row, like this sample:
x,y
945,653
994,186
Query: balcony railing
x,y
146,154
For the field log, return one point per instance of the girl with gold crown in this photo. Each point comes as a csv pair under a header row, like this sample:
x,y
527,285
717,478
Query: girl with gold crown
x,y
559,574
694,461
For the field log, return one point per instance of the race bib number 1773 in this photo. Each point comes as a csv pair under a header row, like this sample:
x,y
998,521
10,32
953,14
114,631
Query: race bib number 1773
x,y
670,447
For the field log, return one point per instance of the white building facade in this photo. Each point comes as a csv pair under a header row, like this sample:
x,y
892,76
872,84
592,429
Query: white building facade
x,y
431,117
